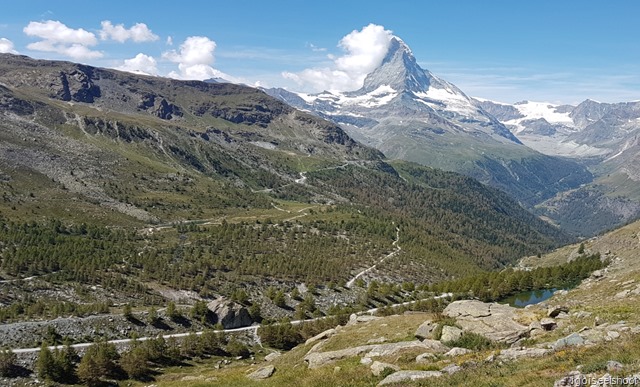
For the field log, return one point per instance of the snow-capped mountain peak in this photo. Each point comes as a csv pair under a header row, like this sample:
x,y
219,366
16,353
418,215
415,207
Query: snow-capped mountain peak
x,y
400,88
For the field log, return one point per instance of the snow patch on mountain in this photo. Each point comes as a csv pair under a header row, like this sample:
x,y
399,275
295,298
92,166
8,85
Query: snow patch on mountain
x,y
534,110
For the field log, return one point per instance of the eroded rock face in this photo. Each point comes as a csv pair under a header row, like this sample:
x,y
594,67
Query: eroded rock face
x,y
230,314
494,321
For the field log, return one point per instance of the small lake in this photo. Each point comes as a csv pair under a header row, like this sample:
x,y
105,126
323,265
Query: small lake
x,y
520,300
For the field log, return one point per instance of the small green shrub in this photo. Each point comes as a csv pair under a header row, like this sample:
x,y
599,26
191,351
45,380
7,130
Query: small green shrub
x,y
473,341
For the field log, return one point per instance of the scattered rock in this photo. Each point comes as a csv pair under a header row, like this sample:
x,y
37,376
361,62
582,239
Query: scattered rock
x,y
451,369
623,294
262,373
457,352
366,361
612,335
548,324
425,330
597,274
377,367
354,319
426,357
613,366
518,353
574,378
573,339
321,336
337,369
405,376
272,356
582,314
377,340
450,333
554,311
597,321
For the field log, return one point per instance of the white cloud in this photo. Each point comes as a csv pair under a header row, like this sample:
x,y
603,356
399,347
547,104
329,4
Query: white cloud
x,y
57,37
140,64
194,59
364,51
138,33
169,41
6,46
56,32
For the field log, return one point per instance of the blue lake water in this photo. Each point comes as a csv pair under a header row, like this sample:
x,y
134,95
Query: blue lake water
x,y
520,300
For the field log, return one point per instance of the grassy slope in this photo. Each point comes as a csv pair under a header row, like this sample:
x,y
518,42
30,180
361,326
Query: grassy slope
x,y
592,296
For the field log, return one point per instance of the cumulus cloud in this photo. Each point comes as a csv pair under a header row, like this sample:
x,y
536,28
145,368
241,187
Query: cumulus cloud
x,y
57,37
140,64
364,51
194,59
138,33
6,46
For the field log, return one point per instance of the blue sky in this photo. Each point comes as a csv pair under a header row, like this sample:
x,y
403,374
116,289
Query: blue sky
x,y
555,51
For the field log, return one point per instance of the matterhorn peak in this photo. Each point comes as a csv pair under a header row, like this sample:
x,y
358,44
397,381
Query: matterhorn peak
x,y
398,70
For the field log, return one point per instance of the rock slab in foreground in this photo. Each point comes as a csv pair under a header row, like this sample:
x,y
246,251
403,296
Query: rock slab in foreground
x,y
494,321
407,376
262,373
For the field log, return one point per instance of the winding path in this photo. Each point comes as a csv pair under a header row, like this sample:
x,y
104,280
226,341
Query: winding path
x,y
390,255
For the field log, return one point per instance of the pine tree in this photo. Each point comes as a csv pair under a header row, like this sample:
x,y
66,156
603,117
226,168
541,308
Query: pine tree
x,y
46,365
8,361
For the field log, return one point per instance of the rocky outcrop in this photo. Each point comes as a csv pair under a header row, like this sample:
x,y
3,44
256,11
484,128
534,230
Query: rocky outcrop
x,y
494,321
318,359
321,336
230,314
409,376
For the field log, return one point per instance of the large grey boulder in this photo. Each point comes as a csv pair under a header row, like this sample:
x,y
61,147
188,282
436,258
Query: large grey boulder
x,y
377,367
425,330
494,321
262,373
230,314
572,340
409,376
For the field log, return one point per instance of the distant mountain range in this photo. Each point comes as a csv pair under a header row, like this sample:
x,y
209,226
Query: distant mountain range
x,y
602,136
